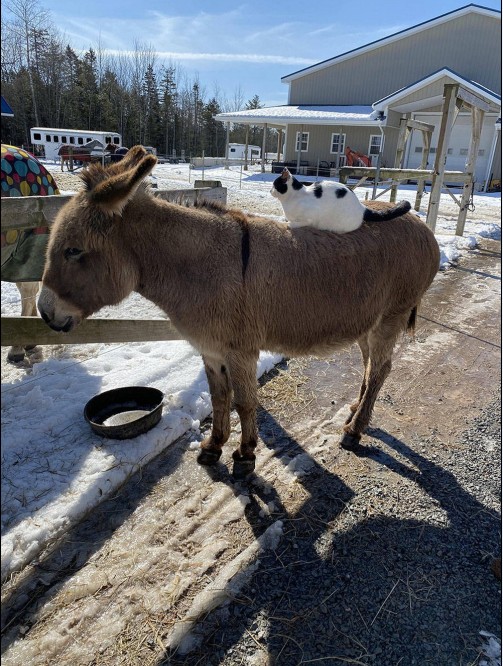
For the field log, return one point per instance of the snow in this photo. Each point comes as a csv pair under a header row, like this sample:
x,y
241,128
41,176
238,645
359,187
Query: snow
x,y
308,113
55,469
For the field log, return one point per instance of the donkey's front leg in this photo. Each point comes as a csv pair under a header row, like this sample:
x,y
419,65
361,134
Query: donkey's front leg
x,y
243,369
217,373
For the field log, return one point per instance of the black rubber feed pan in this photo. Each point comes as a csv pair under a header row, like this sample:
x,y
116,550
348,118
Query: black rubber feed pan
x,y
124,412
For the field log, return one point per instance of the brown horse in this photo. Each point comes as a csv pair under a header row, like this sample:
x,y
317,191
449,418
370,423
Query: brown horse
x,y
235,284
82,153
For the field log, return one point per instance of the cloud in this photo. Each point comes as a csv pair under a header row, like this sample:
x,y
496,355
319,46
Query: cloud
x,y
251,58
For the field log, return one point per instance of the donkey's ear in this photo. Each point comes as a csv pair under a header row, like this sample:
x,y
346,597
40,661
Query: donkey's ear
x,y
133,157
112,194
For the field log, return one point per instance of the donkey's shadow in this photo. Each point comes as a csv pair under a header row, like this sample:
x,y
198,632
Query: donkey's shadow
x,y
369,593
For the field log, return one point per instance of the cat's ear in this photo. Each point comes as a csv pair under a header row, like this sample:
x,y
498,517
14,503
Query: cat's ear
x,y
285,174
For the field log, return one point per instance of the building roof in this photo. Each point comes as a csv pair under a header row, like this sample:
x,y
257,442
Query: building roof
x,y
402,34
6,109
304,113
395,98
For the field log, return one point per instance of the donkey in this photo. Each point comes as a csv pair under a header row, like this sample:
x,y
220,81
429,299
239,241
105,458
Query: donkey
x,y
235,284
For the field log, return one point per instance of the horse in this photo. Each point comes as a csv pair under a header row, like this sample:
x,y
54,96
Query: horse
x,y
28,292
234,284
82,154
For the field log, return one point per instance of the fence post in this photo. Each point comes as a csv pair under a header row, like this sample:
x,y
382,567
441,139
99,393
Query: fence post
x,y
448,117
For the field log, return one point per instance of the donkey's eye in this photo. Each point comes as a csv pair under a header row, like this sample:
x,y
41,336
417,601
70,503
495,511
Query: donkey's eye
x,y
73,253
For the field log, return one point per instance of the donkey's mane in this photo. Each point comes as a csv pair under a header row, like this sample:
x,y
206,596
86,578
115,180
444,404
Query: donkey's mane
x,y
218,208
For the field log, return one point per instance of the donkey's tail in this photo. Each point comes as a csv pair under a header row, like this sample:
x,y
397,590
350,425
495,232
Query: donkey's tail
x,y
411,324
401,208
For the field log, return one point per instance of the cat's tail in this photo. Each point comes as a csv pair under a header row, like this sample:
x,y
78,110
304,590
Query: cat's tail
x,y
401,208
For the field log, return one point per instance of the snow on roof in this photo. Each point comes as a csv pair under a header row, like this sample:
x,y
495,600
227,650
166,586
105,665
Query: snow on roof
x,y
313,114
443,18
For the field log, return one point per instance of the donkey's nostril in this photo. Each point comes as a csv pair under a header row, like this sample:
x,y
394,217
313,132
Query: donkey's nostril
x,y
43,315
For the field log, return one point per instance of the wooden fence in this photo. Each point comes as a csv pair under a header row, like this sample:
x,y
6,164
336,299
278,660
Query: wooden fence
x,y
21,213
396,176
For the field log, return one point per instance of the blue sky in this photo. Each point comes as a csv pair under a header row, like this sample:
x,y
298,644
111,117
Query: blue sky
x,y
246,46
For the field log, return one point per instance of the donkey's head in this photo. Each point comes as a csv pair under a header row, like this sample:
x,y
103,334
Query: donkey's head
x,y
285,184
89,263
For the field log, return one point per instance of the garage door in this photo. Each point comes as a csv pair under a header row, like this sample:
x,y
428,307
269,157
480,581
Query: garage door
x,y
458,144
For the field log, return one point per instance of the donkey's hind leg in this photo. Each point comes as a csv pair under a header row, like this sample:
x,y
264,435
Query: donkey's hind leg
x,y
381,341
217,373
364,348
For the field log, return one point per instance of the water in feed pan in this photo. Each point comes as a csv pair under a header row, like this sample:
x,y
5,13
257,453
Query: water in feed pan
x,y
124,412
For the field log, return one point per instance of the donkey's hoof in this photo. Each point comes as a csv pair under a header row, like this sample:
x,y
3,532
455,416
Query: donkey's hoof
x,y
15,358
208,457
350,442
242,468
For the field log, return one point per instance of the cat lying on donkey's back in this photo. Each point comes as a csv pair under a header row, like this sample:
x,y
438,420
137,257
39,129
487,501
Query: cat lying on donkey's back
x,y
326,205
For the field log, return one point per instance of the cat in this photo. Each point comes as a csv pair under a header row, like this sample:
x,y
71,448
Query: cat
x,y
326,205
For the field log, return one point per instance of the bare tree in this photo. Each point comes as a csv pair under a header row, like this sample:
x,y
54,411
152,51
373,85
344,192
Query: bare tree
x,y
29,18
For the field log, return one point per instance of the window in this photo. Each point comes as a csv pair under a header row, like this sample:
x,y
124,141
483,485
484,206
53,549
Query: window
x,y
433,150
481,153
463,151
88,140
304,142
338,143
72,139
108,139
233,150
375,144
63,139
116,140
37,137
48,138
80,140
55,137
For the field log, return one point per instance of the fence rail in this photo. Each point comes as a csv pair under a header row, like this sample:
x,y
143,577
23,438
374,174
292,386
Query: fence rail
x,y
24,213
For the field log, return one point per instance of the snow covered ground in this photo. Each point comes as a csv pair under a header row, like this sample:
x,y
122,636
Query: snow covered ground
x,y
54,468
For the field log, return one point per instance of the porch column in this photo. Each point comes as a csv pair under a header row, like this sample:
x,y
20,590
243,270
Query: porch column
x,y
245,168
264,137
227,130
280,143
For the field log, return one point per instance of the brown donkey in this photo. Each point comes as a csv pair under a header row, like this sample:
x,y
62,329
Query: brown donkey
x,y
235,284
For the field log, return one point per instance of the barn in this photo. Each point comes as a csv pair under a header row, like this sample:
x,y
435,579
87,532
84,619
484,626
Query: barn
x,y
361,98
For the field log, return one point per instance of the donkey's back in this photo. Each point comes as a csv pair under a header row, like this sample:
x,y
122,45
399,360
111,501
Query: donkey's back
x,y
309,290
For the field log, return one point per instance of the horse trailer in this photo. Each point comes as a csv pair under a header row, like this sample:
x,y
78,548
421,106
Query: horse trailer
x,y
237,151
51,139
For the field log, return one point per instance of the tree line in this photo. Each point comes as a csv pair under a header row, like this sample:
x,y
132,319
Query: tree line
x,y
48,84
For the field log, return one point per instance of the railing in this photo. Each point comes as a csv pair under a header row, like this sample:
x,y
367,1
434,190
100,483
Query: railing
x,y
22,213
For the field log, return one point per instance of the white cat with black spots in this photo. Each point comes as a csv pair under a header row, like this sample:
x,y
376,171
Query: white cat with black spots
x,y
326,205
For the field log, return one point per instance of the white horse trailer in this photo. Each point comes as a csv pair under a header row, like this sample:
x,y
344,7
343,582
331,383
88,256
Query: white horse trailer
x,y
237,151
53,138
